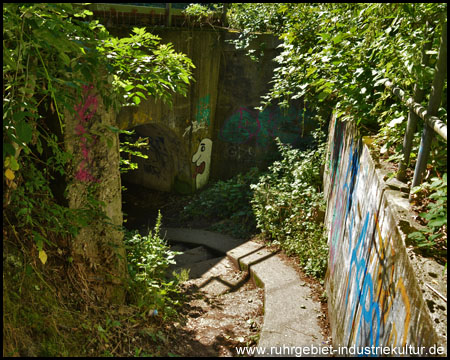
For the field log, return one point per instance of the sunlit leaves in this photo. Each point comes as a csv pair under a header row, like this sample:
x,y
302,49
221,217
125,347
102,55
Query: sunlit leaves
x,y
49,53
353,47
141,62
9,174
286,202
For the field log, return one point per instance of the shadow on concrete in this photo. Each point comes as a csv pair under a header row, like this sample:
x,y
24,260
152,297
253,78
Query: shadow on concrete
x,y
236,286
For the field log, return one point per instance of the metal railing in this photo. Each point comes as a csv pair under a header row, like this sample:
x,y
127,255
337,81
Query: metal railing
x,y
432,123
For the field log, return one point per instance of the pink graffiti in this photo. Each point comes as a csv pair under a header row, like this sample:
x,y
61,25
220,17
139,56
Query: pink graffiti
x,y
88,101
85,111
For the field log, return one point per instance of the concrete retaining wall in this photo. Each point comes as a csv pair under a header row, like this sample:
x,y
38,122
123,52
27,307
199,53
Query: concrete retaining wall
x,y
217,116
374,295
245,136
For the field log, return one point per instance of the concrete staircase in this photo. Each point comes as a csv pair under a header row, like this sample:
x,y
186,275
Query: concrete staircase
x,y
290,313
198,259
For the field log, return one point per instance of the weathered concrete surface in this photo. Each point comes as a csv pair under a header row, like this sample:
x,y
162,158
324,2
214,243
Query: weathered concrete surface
x,y
244,137
184,126
375,298
217,115
98,251
192,256
215,241
167,165
290,314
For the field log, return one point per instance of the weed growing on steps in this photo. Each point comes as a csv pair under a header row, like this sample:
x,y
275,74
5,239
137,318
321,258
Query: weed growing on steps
x,y
148,259
289,206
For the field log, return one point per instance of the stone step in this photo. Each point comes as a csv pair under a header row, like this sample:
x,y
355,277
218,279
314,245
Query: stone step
x,y
290,313
215,241
179,247
191,256
197,269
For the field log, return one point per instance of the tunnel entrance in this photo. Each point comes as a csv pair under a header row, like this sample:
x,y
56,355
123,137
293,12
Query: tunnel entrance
x,y
163,180
167,166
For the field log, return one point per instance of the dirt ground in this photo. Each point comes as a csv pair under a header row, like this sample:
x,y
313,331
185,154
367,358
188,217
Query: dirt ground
x,y
218,317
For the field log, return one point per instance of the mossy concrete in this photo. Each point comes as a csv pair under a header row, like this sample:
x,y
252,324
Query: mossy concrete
x,y
176,131
98,251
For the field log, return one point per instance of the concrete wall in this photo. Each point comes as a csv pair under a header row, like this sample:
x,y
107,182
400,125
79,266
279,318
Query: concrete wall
x,y
176,133
214,132
97,250
244,137
375,297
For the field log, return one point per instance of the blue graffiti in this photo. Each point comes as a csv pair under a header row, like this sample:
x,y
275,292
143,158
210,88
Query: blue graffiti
x,y
345,210
340,214
362,296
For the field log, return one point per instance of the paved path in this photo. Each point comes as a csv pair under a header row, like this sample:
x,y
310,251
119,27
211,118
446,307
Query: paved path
x,y
290,314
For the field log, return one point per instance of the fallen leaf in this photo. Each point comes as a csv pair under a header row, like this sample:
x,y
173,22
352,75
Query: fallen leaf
x,y
43,256
9,174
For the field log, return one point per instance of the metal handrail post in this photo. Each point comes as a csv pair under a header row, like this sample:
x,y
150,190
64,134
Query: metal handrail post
x,y
433,107
413,118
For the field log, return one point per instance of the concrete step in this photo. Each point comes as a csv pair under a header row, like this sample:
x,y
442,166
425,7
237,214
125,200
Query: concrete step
x,y
196,270
215,241
194,255
197,260
290,314
179,247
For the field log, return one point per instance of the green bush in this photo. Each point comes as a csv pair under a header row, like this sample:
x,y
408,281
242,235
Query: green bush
x,y
288,204
227,202
148,259
436,214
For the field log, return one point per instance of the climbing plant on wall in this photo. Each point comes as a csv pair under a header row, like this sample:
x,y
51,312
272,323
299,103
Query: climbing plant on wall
x,y
57,64
49,56
337,56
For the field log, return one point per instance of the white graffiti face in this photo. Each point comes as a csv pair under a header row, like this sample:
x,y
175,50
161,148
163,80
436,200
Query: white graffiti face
x,y
202,161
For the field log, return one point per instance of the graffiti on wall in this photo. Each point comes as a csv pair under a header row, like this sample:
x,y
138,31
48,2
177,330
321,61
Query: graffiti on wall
x,y
344,196
375,306
376,295
240,152
203,111
202,117
85,111
245,125
202,161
